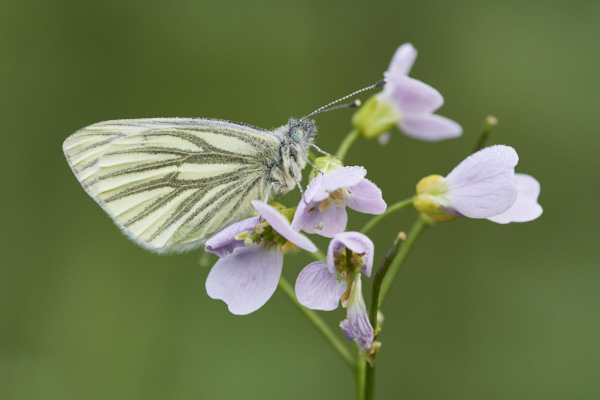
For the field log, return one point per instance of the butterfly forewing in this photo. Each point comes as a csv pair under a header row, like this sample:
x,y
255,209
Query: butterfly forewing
x,y
171,183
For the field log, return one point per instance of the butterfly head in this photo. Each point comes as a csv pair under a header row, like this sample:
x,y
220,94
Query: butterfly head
x,y
301,133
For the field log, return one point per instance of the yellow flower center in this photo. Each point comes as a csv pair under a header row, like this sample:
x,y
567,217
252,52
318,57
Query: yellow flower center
x,y
335,197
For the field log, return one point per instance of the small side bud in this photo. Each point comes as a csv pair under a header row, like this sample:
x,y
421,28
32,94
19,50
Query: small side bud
x,y
325,164
489,124
427,183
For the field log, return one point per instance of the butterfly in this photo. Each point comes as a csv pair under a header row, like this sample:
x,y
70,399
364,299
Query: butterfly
x,y
171,183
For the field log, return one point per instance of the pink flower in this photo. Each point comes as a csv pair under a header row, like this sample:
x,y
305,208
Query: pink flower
x,y
323,207
321,285
407,103
484,185
247,274
415,101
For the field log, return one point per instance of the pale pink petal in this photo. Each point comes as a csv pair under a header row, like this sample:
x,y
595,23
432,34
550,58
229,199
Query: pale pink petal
x,y
223,243
483,185
246,278
357,326
319,189
302,213
526,207
314,190
412,97
327,223
429,127
402,62
365,197
319,289
282,226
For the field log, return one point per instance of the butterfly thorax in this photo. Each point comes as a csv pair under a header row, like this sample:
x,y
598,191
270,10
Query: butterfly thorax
x,y
296,138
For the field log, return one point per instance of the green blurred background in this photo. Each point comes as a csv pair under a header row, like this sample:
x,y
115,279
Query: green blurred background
x,y
481,311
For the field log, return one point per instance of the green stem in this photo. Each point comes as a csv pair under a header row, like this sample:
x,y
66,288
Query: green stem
x,y
392,263
370,380
318,323
389,257
347,143
390,210
360,371
489,124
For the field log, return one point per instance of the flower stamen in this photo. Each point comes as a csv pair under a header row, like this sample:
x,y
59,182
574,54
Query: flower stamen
x,y
338,194
324,204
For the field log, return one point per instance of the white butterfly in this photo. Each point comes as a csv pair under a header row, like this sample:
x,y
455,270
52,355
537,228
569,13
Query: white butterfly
x,y
171,183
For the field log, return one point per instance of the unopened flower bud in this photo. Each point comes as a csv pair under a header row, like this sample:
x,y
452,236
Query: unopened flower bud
x,y
325,164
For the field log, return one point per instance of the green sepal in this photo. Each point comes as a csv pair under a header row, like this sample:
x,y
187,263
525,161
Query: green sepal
x,y
375,117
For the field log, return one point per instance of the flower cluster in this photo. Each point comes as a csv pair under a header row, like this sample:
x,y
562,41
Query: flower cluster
x,y
484,185
251,256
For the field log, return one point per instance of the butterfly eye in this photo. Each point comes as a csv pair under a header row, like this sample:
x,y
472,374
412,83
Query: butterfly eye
x,y
297,134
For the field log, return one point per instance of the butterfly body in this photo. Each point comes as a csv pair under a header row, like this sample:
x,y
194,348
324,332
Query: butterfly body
x,y
171,183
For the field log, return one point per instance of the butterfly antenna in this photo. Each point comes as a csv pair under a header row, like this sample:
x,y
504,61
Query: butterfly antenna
x,y
326,108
